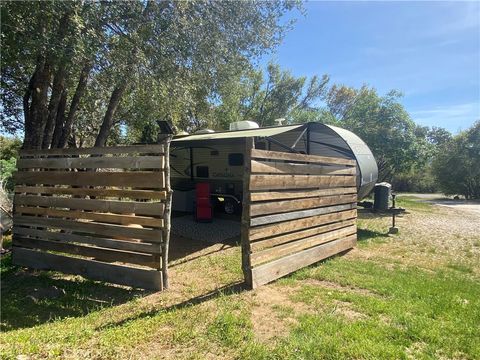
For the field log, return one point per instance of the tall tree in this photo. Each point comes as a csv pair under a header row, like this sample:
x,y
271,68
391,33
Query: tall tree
x,y
52,51
457,164
382,122
251,96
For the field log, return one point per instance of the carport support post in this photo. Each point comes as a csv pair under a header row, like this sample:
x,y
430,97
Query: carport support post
x,y
246,251
167,213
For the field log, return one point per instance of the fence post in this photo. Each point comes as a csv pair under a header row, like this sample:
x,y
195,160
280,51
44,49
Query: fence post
x,y
167,214
246,266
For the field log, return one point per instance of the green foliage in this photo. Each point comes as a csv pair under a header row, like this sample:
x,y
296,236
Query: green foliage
x,y
382,122
7,168
457,164
418,179
162,59
9,148
265,97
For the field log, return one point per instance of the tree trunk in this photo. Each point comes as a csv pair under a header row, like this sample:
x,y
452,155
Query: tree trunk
x,y
37,108
57,92
79,91
59,120
110,113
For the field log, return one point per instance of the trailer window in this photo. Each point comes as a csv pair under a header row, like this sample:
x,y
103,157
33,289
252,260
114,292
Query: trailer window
x,y
202,171
235,159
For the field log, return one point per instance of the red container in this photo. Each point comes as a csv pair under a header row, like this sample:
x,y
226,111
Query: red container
x,y
203,208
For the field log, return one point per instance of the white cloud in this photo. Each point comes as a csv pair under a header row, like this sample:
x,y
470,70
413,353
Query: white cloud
x,y
452,117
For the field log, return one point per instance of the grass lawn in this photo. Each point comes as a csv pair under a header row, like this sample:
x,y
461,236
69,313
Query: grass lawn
x,y
412,295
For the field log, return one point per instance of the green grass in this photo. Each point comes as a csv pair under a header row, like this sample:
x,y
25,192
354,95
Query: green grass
x,y
350,307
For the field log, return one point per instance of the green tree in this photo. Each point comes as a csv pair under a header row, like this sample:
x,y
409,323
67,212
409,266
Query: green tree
x,y
58,56
9,148
382,122
457,164
251,96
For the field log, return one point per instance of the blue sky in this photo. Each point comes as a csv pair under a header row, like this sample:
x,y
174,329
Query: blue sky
x,y
430,51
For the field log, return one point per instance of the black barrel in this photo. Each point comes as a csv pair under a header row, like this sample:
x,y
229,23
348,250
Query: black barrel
x,y
382,196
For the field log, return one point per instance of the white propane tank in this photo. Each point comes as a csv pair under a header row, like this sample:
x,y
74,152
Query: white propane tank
x,y
243,125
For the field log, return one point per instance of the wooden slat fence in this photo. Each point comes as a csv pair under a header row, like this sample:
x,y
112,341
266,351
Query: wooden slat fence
x,y
96,212
298,209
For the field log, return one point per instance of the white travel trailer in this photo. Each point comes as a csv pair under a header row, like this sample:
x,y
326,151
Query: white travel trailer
x,y
217,158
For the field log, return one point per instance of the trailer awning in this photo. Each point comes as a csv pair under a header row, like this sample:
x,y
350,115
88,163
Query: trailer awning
x,y
261,132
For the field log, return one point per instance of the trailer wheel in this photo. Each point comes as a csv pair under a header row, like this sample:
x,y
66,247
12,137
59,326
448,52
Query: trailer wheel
x,y
229,206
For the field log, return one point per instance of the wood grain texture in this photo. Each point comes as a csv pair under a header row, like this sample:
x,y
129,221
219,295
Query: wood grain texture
x,y
140,278
271,155
148,235
297,235
86,191
277,218
61,217
297,194
295,225
111,162
145,179
138,149
245,227
98,217
110,206
295,246
98,253
275,167
69,237
276,182
292,205
268,272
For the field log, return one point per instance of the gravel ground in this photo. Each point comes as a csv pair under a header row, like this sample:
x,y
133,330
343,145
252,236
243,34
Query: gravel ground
x,y
461,205
217,231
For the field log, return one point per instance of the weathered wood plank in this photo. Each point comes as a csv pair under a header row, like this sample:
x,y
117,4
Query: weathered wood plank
x,y
96,270
269,219
297,194
110,206
140,149
167,216
275,167
291,205
275,182
92,228
113,162
295,225
265,154
98,217
297,235
142,247
85,191
273,270
245,242
88,251
145,179
302,244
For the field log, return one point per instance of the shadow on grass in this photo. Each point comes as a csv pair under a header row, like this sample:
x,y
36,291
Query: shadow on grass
x,y
226,290
31,298
366,234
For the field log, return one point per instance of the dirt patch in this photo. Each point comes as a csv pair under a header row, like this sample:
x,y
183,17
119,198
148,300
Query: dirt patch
x,y
274,313
345,309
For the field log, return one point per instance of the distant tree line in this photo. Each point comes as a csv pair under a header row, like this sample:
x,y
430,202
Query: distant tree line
x,y
96,73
